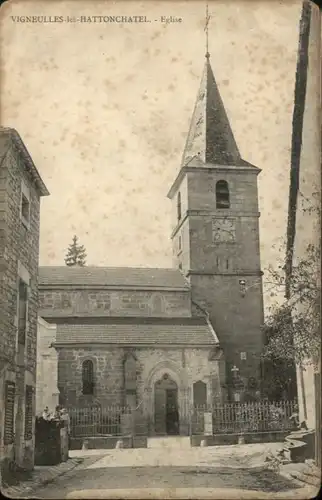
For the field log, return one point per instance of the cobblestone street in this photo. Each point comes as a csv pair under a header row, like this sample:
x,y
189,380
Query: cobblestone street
x,y
231,471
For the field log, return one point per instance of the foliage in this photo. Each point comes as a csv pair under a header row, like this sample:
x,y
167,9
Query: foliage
x,y
293,329
76,254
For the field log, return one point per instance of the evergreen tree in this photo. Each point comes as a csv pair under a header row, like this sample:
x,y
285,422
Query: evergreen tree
x,y
76,254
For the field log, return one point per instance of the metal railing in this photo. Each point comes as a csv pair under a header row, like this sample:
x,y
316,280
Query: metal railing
x,y
251,417
96,421
228,418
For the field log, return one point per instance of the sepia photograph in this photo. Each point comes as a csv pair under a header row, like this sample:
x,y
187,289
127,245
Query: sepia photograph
x,y
160,171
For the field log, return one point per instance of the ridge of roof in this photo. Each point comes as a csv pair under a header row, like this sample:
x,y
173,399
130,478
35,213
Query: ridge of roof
x,y
141,277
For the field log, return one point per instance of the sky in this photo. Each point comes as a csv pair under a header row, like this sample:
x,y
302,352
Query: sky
x,y
104,111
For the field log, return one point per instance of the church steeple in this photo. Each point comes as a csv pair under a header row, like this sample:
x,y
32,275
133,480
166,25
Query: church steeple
x,y
210,139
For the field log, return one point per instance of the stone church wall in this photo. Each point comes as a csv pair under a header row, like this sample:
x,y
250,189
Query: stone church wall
x,y
190,365
91,302
108,375
241,321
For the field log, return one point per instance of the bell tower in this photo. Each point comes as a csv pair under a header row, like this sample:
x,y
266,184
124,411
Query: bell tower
x,y
216,236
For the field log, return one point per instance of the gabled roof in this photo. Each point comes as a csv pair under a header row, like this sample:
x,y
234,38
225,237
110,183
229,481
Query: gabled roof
x,y
10,134
210,138
143,278
188,331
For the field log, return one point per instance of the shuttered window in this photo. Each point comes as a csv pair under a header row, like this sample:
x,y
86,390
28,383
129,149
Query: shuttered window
x,y
9,412
28,412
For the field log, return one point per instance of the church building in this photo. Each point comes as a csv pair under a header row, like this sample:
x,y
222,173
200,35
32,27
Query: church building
x,y
190,335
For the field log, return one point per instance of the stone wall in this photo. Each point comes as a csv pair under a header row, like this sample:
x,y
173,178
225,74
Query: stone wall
x,y
215,268
47,393
236,319
190,365
19,248
106,302
108,375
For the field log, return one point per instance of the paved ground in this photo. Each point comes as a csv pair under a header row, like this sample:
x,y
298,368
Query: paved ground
x,y
214,472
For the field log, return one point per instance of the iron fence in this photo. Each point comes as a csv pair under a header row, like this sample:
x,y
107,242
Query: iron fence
x,y
97,421
252,417
225,418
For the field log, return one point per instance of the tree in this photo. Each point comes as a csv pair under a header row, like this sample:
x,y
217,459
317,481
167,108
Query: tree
x,y
76,254
293,328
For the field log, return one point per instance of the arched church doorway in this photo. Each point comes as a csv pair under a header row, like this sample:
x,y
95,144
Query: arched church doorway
x,y
166,412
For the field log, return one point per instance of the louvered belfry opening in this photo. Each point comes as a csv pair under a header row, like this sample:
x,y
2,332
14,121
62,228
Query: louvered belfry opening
x,y
222,195
88,377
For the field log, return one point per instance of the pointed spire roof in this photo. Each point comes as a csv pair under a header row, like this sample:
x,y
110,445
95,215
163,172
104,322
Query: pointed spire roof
x,y
210,138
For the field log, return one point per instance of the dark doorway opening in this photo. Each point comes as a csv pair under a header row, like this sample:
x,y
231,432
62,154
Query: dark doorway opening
x,y
166,407
172,413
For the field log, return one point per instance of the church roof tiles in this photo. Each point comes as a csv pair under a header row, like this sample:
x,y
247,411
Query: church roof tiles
x,y
145,278
188,331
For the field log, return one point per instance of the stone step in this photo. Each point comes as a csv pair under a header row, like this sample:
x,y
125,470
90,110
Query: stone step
x,y
169,442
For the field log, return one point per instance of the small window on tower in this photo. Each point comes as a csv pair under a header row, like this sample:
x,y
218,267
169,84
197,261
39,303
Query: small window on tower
x,y
217,262
179,207
180,244
243,355
227,263
180,266
222,195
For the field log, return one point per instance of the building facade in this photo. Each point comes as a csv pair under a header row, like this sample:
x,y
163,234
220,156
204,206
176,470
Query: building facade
x,y
47,393
20,191
216,233
127,337
189,335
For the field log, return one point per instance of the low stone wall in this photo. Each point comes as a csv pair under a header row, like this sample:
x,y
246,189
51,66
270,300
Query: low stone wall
x,y
108,442
101,442
226,439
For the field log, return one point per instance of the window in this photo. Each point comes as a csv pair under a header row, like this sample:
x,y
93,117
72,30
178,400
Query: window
x,y
28,412
88,377
180,266
222,195
25,208
217,262
10,390
179,207
199,393
130,373
227,263
243,355
180,243
23,307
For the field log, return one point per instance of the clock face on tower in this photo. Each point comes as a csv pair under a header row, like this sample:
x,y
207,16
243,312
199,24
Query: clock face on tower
x,y
223,230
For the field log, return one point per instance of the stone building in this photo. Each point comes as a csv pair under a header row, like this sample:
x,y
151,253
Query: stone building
x,y
20,191
157,338
47,393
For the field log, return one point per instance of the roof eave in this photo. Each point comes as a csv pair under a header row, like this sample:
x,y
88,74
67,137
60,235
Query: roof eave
x,y
29,164
58,286
81,344
173,189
